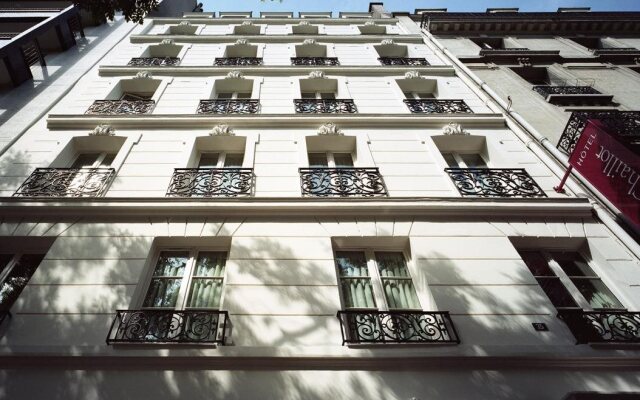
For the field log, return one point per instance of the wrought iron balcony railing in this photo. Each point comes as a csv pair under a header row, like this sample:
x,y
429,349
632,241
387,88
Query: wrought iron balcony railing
x,y
325,106
154,61
314,61
211,182
120,107
169,326
485,182
235,61
342,182
602,326
66,182
624,124
403,61
616,51
417,327
225,106
546,90
484,52
433,106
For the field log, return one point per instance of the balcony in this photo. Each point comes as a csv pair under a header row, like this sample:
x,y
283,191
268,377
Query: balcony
x,y
154,62
237,61
342,182
432,106
325,106
403,61
569,95
323,61
121,107
66,182
211,182
413,327
625,125
485,182
228,106
616,51
169,326
603,326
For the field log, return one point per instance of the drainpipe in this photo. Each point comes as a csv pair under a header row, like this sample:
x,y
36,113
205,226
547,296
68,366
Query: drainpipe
x,y
538,143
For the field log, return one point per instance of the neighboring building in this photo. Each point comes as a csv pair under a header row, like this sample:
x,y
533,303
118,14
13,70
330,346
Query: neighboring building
x,y
301,207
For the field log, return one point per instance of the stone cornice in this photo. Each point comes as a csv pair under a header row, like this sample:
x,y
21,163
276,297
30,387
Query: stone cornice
x,y
275,21
206,121
253,39
266,70
303,207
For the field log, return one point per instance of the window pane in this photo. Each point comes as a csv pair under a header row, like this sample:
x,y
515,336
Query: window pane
x,y
245,95
108,160
318,160
357,293
136,96
573,264
5,259
400,293
225,96
205,293
408,95
351,263
171,263
426,95
473,160
308,95
391,264
536,262
327,96
597,293
17,279
208,160
234,160
557,293
210,264
343,159
163,292
85,160
450,159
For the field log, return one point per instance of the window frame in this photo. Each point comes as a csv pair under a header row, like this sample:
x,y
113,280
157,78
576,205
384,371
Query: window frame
x,y
222,158
457,155
98,161
11,265
330,155
187,278
377,287
234,95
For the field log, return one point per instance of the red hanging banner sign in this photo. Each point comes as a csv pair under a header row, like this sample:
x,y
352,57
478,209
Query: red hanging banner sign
x,y
611,167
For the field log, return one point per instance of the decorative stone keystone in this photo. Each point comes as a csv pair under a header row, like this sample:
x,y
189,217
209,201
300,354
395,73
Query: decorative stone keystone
x,y
309,41
242,41
143,75
303,23
168,42
247,23
103,130
329,129
454,129
222,130
370,23
317,75
184,23
412,75
235,75
387,42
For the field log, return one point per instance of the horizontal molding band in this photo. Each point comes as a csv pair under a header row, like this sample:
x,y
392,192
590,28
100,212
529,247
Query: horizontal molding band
x,y
287,207
272,21
207,121
115,361
279,70
254,39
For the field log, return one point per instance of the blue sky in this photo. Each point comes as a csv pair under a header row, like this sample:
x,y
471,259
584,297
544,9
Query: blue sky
x,y
410,5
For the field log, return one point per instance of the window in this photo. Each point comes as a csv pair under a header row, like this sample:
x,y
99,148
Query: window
x,y
419,95
93,160
128,96
319,95
330,160
233,95
15,272
375,280
220,160
186,279
464,160
568,280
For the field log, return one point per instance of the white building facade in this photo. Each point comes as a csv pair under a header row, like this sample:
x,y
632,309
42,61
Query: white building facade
x,y
299,208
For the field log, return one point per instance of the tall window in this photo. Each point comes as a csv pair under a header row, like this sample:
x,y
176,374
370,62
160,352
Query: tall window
x,y
93,160
464,160
233,95
375,280
569,281
186,279
330,160
15,272
418,95
319,95
220,160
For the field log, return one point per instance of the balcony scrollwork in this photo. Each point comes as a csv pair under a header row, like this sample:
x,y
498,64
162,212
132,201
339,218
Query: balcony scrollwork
x,y
433,106
121,107
211,182
154,62
603,326
225,106
413,327
323,61
325,106
342,182
66,182
403,61
169,326
237,61
546,90
486,182
625,125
